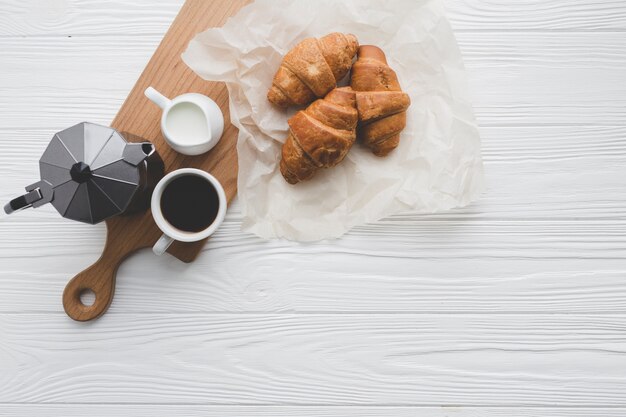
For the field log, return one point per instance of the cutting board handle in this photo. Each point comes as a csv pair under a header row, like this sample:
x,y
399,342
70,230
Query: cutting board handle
x,y
98,278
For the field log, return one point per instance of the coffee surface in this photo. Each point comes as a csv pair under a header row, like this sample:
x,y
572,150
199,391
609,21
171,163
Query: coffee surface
x,y
190,203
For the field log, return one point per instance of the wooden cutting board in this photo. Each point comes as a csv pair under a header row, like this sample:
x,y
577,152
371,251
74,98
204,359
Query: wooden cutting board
x,y
168,74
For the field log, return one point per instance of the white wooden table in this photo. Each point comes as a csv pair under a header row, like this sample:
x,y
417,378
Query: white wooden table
x,y
515,306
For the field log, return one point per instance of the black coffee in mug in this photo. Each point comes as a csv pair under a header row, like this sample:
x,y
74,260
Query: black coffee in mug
x,y
190,203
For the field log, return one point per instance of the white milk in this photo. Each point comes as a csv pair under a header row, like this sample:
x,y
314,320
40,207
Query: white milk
x,y
187,124
191,123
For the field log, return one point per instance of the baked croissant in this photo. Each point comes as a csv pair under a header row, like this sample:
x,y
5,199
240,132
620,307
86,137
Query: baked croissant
x,y
320,136
312,68
380,101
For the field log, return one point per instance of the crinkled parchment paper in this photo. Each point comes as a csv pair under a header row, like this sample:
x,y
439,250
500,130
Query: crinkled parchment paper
x,y
438,164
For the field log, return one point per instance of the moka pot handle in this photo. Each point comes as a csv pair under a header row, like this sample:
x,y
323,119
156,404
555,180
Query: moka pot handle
x,y
38,194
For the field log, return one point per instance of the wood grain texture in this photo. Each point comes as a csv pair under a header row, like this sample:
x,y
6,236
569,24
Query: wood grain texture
x,y
516,78
192,410
214,284
537,15
318,359
84,17
141,17
548,236
514,306
97,280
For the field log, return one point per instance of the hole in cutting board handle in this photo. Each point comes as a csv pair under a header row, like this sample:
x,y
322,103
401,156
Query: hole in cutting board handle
x,y
87,297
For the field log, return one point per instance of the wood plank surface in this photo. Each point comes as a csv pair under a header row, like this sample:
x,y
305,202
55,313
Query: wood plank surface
x,y
554,242
192,410
317,359
141,17
516,78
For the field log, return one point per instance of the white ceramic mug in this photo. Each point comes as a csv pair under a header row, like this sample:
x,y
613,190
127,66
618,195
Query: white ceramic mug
x,y
171,233
191,123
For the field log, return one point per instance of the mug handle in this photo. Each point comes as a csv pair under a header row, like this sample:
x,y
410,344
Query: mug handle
x,y
162,244
157,98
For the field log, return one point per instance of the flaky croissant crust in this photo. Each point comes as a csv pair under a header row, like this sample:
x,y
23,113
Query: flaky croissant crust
x,y
312,68
320,136
380,101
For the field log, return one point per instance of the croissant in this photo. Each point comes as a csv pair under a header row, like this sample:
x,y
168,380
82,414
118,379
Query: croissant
x,y
380,101
320,136
312,68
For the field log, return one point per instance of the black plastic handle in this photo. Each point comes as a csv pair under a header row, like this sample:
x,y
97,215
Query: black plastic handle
x,y
23,202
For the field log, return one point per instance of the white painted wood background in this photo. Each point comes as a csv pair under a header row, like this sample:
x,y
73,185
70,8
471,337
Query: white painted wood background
x,y
515,306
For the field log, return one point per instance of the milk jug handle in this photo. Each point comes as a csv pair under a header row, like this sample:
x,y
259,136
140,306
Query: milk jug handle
x,y
157,98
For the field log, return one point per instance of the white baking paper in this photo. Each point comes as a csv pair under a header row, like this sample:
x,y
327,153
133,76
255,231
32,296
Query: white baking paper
x,y
438,164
